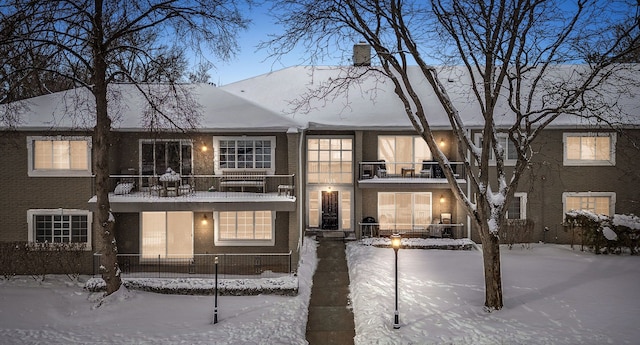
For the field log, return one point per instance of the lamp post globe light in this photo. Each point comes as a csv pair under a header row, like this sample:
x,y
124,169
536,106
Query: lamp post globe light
x,y
395,244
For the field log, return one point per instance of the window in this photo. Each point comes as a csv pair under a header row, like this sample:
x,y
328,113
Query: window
x,y
329,160
510,153
245,153
59,226
596,202
167,235
59,156
404,211
517,208
589,148
248,228
403,149
158,155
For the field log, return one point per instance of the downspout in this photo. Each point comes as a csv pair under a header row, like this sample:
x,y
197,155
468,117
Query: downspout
x,y
300,196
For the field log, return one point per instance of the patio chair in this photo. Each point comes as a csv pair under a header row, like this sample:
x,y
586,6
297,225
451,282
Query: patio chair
x,y
426,170
381,168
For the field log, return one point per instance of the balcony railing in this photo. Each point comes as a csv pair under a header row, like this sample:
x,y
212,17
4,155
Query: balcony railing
x,y
263,265
411,230
198,185
407,170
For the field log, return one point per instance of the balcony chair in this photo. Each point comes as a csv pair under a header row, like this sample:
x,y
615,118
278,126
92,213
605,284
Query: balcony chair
x,y
426,170
381,168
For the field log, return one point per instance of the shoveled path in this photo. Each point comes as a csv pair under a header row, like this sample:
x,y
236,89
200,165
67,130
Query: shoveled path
x,y
330,319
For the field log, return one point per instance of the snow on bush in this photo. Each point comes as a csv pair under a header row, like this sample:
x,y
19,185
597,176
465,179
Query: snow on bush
x,y
286,286
614,232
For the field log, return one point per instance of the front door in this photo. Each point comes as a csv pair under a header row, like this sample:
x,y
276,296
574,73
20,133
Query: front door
x,y
329,211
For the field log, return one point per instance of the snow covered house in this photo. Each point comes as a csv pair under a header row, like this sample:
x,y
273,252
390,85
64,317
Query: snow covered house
x,y
256,174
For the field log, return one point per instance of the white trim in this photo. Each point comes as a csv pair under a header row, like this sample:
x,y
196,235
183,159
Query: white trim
x,y
583,162
610,195
238,243
58,211
216,152
31,172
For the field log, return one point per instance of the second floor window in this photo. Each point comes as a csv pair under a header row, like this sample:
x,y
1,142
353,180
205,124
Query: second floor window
x,y
589,148
330,160
245,153
59,156
406,151
158,155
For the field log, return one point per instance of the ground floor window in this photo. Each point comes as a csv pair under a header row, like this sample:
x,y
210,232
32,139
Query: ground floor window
x,y
244,228
167,235
517,208
399,211
596,202
59,226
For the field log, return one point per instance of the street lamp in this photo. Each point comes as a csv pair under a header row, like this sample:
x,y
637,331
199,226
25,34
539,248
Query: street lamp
x,y
395,244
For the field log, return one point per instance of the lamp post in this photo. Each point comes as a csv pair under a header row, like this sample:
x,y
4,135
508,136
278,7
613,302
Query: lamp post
x,y
395,244
215,303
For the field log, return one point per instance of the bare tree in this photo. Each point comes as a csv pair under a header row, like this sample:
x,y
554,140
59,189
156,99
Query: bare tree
x,y
514,54
94,43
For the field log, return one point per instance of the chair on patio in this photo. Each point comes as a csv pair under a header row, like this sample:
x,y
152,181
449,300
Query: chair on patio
x,y
426,170
447,231
154,187
381,168
188,187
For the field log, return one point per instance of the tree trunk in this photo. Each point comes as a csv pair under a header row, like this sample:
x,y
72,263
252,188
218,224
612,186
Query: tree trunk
x,y
101,144
492,272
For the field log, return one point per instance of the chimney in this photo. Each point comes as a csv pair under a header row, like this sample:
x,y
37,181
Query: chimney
x,y
361,54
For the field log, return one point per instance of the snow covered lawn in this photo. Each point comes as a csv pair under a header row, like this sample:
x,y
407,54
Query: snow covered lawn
x,y
553,295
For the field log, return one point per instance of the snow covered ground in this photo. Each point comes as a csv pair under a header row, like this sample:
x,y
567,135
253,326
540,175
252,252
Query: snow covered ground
x,y
553,295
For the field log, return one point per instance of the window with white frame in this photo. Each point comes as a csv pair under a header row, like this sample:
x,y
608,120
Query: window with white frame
x,y
411,150
404,211
596,202
246,228
517,208
589,148
329,160
156,156
510,152
245,153
59,226
166,235
59,156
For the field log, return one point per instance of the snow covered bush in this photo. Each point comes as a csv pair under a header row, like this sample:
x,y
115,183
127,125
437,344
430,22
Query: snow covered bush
x,y
606,234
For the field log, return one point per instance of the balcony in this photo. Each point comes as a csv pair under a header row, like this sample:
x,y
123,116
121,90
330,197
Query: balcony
x,y
373,174
237,191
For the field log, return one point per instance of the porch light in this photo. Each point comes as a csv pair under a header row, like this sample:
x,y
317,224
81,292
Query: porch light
x,y
204,148
204,221
442,143
442,200
396,239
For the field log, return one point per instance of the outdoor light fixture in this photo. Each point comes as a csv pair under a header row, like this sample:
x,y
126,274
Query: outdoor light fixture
x,y
442,142
204,221
204,148
396,240
442,199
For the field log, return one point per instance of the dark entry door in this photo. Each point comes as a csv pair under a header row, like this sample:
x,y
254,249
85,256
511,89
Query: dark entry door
x,y
329,210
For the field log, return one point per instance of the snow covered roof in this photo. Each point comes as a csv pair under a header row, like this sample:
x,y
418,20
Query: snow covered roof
x,y
372,104
221,110
267,103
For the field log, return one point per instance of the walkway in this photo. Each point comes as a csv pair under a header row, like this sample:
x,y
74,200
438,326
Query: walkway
x,y
330,319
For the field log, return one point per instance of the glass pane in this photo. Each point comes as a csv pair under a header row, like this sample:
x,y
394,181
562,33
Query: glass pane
x,y
603,148
345,210
588,148
386,211
602,205
227,226
404,211
179,238
513,211
154,234
314,209
42,151
61,155
573,148
160,158
79,155
186,160
422,209
313,144
147,159
422,151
